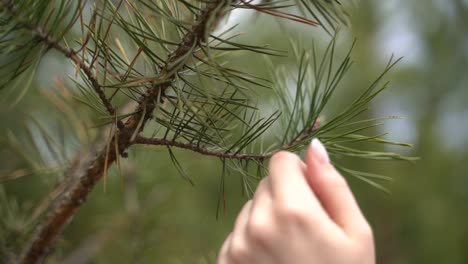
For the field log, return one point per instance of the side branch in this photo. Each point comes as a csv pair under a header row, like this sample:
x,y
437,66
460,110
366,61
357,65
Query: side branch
x,y
52,43
302,137
205,151
71,54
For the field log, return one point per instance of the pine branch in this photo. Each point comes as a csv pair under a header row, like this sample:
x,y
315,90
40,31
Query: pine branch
x,y
90,168
196,148
69,53
223,154
52,43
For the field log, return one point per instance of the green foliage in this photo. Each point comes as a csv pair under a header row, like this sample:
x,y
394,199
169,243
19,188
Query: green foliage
x,y
14,223
25,27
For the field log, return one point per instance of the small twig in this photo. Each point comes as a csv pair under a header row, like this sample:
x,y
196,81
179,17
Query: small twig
x,y
307,132
68,52
222,153
198,149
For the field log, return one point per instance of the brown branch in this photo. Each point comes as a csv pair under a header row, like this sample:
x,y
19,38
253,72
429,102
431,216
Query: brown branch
x,y
201,150
90,168
300,138
68,52
93,246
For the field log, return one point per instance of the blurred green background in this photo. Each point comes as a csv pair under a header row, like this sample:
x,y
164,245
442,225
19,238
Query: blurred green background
x,y
153,216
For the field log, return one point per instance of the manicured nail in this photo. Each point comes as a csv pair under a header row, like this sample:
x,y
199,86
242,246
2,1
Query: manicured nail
x,y
319,151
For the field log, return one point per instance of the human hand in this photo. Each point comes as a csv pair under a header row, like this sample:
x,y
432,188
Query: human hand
x,y
300,213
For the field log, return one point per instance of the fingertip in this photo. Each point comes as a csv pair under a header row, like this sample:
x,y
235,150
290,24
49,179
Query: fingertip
x,y
317,152
317,161
331,188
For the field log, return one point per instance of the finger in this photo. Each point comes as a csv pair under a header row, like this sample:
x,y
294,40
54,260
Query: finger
x,y
289,185
237,247
262,230
222,256
242,219
261,221
262,194
332,190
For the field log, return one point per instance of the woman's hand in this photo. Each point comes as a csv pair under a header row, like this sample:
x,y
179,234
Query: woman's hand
x,y
300,213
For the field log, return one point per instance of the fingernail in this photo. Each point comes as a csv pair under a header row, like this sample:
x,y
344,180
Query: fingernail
x,y
319,151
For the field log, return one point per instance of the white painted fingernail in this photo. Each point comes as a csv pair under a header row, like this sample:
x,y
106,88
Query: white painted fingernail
x,y
319,151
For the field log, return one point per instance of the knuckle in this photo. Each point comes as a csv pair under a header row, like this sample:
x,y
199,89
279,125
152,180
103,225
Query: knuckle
x,y
364,253
263,184
238,250
292,211
362,244
366,234
260,230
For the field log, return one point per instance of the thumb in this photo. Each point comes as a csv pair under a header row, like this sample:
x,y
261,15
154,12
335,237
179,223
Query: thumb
x,y
331,188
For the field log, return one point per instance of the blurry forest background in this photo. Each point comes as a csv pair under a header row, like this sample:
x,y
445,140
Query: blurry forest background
x,y
153,216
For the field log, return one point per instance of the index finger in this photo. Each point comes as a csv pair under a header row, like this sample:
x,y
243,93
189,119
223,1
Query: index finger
x,y
289,185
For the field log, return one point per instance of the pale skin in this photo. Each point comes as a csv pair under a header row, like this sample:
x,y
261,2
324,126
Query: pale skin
x,y
303,213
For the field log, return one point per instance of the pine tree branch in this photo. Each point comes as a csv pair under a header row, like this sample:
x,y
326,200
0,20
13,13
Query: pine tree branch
x,y
68,52
195,148
52,43
89,169
300,138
